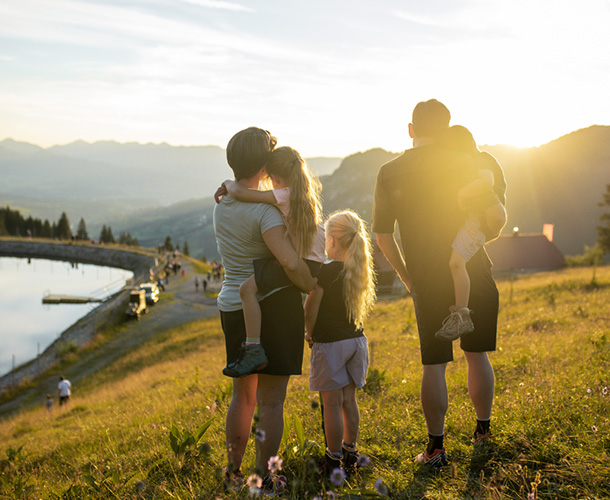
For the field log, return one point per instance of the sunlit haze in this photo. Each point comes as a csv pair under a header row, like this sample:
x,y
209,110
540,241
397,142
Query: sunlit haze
x,y
327,77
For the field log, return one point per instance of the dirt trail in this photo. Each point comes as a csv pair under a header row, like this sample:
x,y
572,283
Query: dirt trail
x,y
187,306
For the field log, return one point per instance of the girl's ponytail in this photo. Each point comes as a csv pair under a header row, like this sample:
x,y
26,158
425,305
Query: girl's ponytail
x,y
305,208
359,281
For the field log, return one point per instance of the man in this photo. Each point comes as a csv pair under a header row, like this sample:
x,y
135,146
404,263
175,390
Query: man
x,y
64,390
419,191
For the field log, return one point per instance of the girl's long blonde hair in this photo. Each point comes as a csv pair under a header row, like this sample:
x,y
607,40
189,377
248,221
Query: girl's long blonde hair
x,y
305,207
350,232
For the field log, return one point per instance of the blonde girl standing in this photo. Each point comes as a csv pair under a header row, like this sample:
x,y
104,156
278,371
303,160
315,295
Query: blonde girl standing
x,y
334,316
296,194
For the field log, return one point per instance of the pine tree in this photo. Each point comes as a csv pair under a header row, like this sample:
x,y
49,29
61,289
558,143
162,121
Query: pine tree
x,y
81,230
603,232
169,246
63,228
186,251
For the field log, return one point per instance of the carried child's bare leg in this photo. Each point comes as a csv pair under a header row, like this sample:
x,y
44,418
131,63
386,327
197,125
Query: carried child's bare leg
x,y
458,322
252,310
251,357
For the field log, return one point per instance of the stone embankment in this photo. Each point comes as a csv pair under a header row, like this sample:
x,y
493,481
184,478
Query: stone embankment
x,y
141,263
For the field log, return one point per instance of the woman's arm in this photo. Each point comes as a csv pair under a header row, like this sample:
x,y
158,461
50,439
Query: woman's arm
x,y
243,193
295,268
311,307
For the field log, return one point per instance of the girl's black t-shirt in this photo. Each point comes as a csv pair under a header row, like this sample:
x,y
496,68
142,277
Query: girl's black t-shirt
x,y
332,323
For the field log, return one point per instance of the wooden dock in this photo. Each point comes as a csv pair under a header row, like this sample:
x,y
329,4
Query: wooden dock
x,y
68,299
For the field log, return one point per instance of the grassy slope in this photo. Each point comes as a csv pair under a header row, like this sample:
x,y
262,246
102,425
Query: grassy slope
x,y
551,418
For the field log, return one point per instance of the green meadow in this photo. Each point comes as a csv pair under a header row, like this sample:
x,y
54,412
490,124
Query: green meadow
x,y
150,425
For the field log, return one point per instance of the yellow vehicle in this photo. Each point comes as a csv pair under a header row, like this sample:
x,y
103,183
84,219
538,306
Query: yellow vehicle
x,y
137,303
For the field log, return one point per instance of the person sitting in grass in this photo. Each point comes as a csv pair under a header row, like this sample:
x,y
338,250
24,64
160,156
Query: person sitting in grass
x,y
296,194
480,200
335,311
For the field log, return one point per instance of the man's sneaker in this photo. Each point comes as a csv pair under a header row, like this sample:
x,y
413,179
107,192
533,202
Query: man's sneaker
x,y
481,437
455,325
437,460
233,480
250,359
274,485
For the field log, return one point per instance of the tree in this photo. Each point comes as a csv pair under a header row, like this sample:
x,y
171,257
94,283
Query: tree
x,y
603,232
63,228
81,230
186,251
169,246
106,235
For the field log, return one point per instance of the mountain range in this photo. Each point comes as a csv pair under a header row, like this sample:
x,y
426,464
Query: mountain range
x,y
155,190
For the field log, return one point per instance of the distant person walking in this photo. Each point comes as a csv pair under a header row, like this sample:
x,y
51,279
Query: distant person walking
x,y
64,390
419,191
196,284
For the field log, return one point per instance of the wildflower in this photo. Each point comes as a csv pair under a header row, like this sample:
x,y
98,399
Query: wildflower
x,y
363,461
214,405
330,495
594,428
381,487
154,426
403,381
254,492
275,464
260,435
317,498
254,481
531,496
337,477
605,391
588,391
140,485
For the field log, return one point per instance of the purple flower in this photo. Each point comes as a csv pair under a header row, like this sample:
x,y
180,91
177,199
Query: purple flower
x,y
381,487
531,496
259,435
363,461
330,495
275,464
140,485
337,477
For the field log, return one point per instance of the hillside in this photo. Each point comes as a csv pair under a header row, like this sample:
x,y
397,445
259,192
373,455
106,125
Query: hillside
x,y
114,439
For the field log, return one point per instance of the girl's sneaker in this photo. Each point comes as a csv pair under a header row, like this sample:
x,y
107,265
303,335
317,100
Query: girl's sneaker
x,y
455,325
250,359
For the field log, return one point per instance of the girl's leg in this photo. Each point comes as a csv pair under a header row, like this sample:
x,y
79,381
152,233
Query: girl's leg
x,y
239,419
252,310
461,280
333,419
270,395
351,415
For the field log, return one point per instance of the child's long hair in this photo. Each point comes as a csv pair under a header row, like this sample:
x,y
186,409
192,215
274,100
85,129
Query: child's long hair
x,y
350,232
305,207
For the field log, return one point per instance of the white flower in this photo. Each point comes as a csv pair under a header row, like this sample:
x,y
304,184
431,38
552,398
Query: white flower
x,y
254,481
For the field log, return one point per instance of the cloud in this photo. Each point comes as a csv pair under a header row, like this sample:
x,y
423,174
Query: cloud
x,y
215,4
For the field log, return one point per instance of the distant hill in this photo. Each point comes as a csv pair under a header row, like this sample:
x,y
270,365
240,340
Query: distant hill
x,y
155,190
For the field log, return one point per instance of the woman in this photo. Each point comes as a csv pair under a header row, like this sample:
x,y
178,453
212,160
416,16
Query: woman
x,y
244,232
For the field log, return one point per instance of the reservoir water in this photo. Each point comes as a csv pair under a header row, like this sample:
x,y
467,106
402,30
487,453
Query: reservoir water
x,y
27,326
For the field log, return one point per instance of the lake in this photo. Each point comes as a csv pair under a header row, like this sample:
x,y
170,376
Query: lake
x,y
27,326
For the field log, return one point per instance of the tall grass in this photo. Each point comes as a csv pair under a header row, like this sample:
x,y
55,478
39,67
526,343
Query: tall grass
x,y
551,415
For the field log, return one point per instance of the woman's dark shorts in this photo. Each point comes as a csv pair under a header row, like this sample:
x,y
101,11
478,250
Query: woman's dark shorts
x,y
282,332
270,275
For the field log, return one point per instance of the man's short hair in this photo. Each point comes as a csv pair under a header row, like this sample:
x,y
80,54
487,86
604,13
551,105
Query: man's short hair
x,y
248,151
430,118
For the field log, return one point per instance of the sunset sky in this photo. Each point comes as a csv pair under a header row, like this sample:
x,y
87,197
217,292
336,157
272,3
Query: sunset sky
x,y
328,77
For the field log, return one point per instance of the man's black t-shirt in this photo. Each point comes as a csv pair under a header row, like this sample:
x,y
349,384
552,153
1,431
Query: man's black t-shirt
x,y
333,323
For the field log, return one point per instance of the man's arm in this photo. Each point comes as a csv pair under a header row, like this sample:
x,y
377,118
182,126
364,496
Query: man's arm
x,y
389,247
295,268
